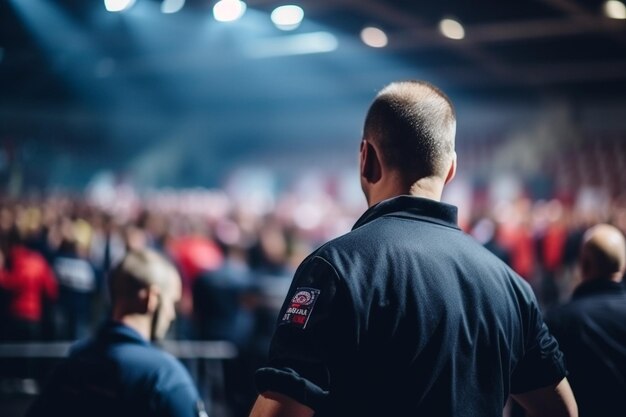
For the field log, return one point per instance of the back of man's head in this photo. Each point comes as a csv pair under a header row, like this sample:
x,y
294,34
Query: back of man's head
x,y
603,254
413,123
141,269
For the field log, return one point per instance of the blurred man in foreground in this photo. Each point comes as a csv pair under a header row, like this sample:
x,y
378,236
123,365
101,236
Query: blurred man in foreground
x,y
118,372
406,315
591,328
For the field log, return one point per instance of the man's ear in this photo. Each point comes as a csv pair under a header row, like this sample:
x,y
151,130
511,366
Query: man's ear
x,y
451,169
153,299
147,300
371,168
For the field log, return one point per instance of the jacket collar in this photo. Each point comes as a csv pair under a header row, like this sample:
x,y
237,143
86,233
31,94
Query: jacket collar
x,y
598,286
116,332
410,207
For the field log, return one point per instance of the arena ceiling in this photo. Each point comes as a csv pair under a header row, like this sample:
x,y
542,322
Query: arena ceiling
x,y
77,80
556,45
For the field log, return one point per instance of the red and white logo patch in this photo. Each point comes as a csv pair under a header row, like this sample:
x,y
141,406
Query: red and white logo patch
x,y
300,307
303,297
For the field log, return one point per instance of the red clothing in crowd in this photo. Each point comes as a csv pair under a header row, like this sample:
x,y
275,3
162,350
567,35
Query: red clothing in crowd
x,y
554,247
519,242
29,281
195,254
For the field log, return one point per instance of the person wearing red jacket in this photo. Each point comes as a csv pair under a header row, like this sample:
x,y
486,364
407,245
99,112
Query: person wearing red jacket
x,y
28,283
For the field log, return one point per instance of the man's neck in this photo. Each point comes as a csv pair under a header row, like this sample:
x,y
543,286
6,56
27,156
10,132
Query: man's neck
x,y
430,188
139,323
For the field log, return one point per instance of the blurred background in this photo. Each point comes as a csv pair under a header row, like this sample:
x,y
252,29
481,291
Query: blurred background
x,y
225,134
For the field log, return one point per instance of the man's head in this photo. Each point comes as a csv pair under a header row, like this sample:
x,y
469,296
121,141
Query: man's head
x,y
144,288
603,254
408,137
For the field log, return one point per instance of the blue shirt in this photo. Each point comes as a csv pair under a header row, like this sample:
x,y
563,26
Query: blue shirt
x,y
408,316
119,373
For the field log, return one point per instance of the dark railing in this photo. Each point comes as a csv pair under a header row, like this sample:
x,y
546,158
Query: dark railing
x,y
204,359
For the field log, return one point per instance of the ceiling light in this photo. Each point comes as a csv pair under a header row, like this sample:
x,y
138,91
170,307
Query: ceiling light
x,y
452,29
229,10
374,37
172,6
118,5
287,17
615,9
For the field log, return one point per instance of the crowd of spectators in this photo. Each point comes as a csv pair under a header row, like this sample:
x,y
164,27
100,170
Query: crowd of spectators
x,y
56,253
236,257
541,240
235,260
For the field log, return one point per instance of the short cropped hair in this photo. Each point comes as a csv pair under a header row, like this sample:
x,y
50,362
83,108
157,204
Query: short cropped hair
x,y
414,124
141,269
604,246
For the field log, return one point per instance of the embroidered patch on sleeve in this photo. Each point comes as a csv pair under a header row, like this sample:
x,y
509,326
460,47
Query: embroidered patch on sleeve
x,y
300,307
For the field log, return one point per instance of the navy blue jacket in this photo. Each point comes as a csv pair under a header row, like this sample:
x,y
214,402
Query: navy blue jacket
x,y
408,316
591,330
118,373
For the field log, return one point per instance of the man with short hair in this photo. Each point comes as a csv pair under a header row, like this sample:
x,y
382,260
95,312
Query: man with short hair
x,y
591,328
406,315
118,372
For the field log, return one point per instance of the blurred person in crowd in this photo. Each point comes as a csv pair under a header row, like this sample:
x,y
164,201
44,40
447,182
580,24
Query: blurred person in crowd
x,y
517,237
269,261
194,253
221,300
269,254
407,315
7,220
107,246
77,287
30,225
29,289
571,249
591,328
118,372
224,304
156,229
485,231
551,247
